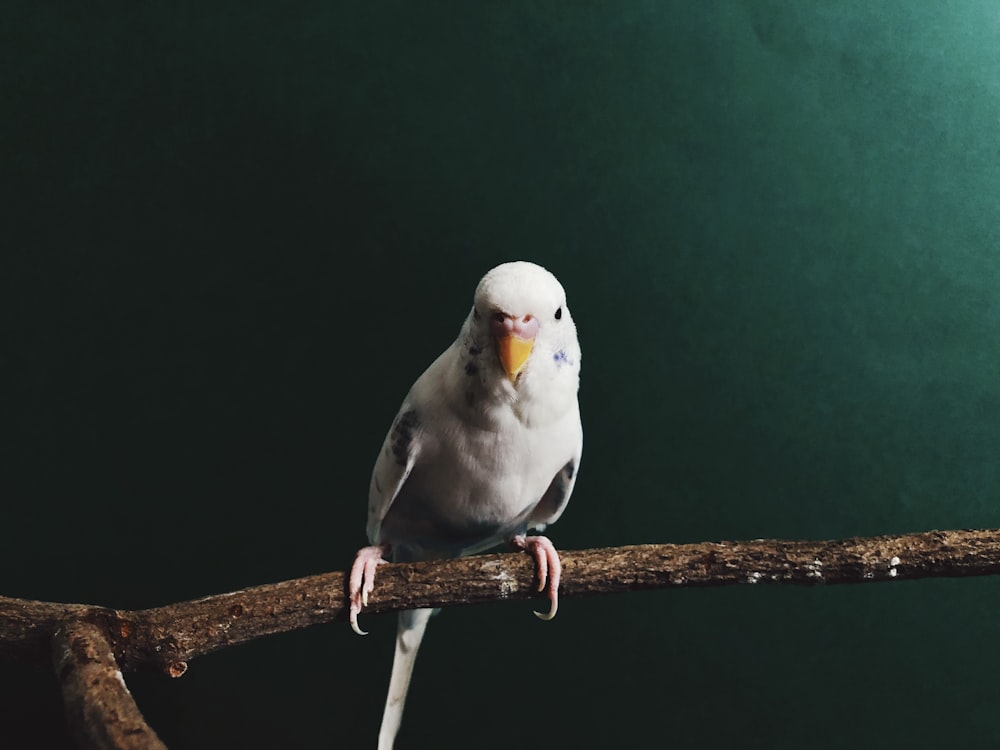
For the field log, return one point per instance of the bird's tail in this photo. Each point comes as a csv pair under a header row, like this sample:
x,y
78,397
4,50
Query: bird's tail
x,y
409,633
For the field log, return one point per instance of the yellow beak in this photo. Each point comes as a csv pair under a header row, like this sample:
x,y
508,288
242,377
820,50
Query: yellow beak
x,y
513,352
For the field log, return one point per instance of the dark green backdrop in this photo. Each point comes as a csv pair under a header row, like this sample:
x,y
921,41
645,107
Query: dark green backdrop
x,y
234,233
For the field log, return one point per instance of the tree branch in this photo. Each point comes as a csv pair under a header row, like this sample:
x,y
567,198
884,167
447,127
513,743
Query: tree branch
x,y
166,638
99,708
90,644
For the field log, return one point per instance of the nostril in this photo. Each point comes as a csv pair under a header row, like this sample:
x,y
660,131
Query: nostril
x,y
528,318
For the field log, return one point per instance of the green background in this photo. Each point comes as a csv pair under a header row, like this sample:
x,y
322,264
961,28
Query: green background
x,y
234,234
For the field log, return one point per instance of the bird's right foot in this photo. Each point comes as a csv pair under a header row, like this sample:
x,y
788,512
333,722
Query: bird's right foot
x,y
362,580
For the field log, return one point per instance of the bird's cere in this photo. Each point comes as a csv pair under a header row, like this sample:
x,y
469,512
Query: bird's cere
x,y
525,327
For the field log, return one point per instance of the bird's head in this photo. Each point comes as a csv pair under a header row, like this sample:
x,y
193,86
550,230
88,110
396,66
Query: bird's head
x,y
520,315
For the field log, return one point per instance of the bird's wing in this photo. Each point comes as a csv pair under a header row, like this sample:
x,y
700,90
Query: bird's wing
x,y
556,497
392,467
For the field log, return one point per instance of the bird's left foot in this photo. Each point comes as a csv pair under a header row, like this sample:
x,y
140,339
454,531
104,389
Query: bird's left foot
x,y
362,580
549,567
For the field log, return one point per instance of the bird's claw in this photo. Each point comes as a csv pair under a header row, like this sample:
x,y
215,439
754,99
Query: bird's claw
x,y
549,568
354,621
362,581
547,615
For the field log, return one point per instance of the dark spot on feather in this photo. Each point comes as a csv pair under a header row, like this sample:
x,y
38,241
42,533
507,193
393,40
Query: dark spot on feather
x,y
560,485
471,368
402,435
569,469
475,351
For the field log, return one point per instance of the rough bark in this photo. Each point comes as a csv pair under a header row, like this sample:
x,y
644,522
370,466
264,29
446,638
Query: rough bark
x,y
91,644
99,707
166,638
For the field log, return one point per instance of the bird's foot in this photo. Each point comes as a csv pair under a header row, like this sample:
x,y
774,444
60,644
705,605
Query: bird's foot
x,y
362,580
549,567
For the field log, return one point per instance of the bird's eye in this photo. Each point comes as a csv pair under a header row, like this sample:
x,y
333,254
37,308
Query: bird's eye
x,y
498,317
559,313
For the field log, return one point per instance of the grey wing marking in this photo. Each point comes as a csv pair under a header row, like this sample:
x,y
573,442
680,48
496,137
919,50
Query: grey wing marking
x,y
554,501
393,466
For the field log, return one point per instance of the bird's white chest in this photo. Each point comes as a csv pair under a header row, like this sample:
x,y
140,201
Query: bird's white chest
x,y
469,484
486,475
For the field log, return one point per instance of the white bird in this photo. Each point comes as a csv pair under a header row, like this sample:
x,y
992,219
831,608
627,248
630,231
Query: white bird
x,y
485,447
